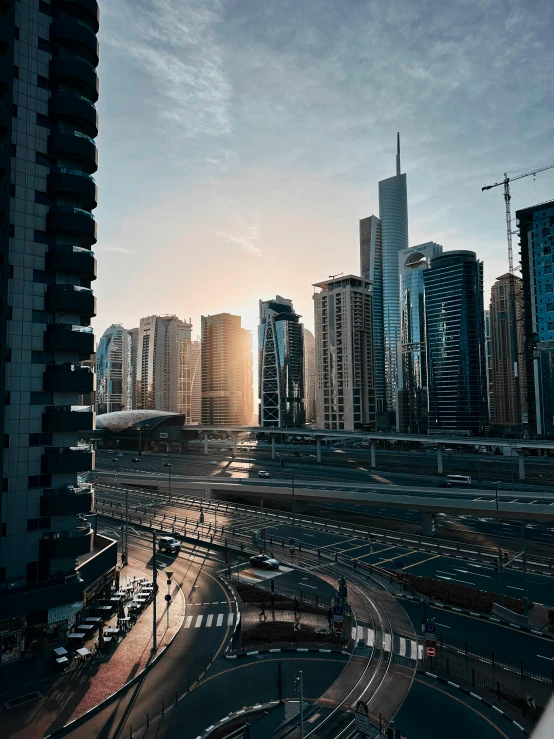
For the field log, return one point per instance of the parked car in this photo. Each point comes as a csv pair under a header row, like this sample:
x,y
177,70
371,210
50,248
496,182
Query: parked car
x,y
265,562
263,473
213,462
136,459
169,544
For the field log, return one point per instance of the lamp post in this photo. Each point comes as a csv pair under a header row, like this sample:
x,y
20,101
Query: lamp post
x,y
168,465
293,513
140,440
498,543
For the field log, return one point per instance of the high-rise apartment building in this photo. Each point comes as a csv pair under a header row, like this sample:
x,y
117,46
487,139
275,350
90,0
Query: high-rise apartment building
x,y
536,238
455,334
184,371
412,403
488,352
115,371
309,375
196,382
226,360
508,366
371,269
281,365
393,213
157,364
345,393
132,348
47,125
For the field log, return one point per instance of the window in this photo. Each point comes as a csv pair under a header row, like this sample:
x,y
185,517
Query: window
x,y
3,529
16,33
4,484
15,72
36,524
14,110
42,159
14,150
11,231
549,288
43,44
7,398
42,120
40,481
39,397
39,357
43,199
41,316
40,276
12,190
6,441
42,82
44,8
41,237
551,325
40,439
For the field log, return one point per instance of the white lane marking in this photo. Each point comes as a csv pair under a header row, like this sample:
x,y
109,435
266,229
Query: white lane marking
x,y
209,621
387,643
360,634
550,659
370,638
443,625
230,619
220,620
188,622
513,587
402,651
198,622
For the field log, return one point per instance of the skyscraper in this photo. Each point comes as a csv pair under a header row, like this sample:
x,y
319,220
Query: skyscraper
x,y
393,212
196,382
227,392
412,364
47,125
508,367
184,372
309,375
157,363
345,393
281,365
536,238
113,384
456,360
371,269
488,352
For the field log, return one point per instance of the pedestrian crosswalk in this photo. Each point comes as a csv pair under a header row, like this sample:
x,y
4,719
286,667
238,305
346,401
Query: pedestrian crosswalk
x,y
400,645
207,621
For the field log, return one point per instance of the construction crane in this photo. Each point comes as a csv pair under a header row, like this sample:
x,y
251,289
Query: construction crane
x,y
507,198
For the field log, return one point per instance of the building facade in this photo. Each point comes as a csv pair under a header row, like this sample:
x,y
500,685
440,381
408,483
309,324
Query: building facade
x,y
226,364
48,123
455,333
508,366
412,403
309,375
280,365
536,239
114,376
184,371
345,392
371,269
393,213
157,364
488,352
196,382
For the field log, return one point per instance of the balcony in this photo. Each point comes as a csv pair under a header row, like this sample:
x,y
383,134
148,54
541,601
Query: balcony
x,y
74,184
66,501
76,72
68,378
70,299
62,337
73,259
73,223
74,110
75,36
69,459
66,544
67,418
85,10
76,146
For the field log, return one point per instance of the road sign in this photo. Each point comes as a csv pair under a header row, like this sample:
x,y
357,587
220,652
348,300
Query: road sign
x,y
361,716
168,598
531,702
430,650
399,565
338,611
169,574
296,627
430,627
292,552
291,542
338,629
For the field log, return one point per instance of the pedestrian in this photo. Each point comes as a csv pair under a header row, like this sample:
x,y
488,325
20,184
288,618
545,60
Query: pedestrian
x,y
296,606
330,616
262,611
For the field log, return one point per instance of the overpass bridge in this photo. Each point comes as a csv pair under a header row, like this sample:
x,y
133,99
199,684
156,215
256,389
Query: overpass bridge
x,y
427,501
441,441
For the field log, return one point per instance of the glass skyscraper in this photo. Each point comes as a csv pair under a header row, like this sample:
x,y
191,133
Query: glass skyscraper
x,y
412,368
393,213
281,365
536,234
456,358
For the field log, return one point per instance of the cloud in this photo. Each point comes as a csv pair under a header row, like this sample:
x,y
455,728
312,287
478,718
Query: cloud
x,y
118,249
246,238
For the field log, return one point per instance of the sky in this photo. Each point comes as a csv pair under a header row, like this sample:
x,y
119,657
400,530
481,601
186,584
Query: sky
x,y
242,140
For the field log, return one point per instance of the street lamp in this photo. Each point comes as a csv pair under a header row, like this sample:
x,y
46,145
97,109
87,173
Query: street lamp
x,y
169,465
496,484
140,430
293,518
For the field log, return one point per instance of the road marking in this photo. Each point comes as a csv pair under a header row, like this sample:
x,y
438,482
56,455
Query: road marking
x,y
209,620
230,619
402,651
188,622
397,556
550,659
424,560
220,620
454,579
444,626
513,587
475,574
198,622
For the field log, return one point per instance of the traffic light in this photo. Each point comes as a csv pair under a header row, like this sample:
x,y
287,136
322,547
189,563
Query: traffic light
x,y
297,683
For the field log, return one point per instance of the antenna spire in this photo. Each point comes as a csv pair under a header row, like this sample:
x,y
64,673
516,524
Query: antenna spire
x,y
397,154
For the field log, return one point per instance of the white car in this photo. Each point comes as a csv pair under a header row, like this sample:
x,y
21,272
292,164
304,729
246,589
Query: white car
x,y
263,473
214,462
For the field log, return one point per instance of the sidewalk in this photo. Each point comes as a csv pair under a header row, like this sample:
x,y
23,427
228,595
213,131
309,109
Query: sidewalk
x,y
69,695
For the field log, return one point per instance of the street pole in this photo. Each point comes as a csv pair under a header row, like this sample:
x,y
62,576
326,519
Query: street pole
x,y
169,468
154,583
140,440
126,525
293,519
499,549
301,704
524,557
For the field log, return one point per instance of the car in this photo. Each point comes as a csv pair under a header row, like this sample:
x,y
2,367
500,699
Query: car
x,y
263,473
213,462
169,544
115,459
136,459
265,562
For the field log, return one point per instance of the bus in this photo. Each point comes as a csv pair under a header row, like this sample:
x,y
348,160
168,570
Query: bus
x,y
458,480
